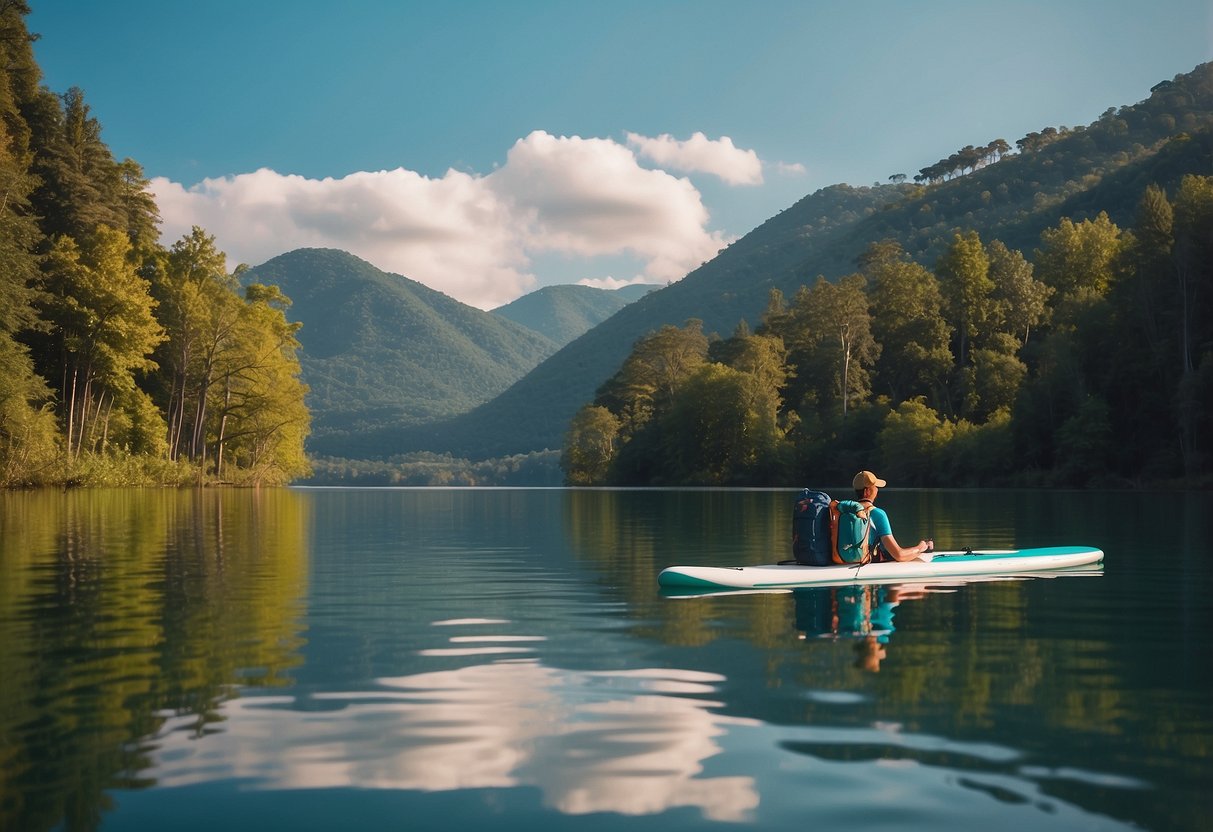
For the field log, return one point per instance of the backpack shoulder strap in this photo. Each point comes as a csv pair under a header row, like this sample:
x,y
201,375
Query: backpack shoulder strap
x,y
834,514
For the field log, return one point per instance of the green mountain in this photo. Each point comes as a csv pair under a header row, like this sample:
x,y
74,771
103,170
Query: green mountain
x,y
382,350
1059,172
561,313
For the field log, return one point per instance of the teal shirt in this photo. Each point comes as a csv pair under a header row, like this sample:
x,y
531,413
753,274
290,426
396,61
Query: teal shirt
x,y
880,525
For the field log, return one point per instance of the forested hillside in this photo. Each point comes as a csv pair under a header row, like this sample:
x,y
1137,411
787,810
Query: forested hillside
x,y
122,362
1012,197
1093,365
562,313
381,350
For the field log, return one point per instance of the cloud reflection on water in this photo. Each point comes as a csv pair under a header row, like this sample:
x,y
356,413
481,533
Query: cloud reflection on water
x,y
630,742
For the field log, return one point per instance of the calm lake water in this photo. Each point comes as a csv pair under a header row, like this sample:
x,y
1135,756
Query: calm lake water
x,y
434,659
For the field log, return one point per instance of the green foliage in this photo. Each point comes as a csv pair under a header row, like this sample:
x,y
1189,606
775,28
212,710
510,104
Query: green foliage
x,y
964,277
1076,261
121,363
980,454
1020,301
259,419
907,314
963,161
1084,443
913,443
649,377
438,470
828,332
722,426
28,437
590,446
760,406
104,335
995,377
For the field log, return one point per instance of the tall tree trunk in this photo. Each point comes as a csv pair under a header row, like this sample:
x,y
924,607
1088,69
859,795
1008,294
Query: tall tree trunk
x,y
227,398
846,372
105,421
70,392
198,438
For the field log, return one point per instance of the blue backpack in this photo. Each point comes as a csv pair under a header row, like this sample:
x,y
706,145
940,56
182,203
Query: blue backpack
x,y
850,529
811,538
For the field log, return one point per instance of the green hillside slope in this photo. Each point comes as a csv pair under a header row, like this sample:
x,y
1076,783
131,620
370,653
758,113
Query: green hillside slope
x,y
561,313
380,349
1060,172
735,284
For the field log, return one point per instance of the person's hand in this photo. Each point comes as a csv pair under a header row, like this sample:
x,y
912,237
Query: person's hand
x,y
928,546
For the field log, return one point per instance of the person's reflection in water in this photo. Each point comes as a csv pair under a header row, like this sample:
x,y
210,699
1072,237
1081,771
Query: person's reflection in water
x,y
870,653
864,613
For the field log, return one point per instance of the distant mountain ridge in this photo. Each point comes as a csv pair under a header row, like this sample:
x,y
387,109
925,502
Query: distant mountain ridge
x,y
380,351
562,313
1077,173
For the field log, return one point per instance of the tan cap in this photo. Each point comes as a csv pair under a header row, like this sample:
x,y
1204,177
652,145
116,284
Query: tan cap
x,y
866,478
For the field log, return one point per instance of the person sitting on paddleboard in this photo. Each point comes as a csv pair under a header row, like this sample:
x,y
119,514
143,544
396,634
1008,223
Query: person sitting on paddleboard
x,y
884,546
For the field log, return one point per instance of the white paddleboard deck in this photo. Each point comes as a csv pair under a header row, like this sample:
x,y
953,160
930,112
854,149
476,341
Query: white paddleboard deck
x,y
941,565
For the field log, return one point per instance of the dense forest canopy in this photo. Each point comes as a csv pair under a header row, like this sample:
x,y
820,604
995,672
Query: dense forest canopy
x,y
1091,362
122,362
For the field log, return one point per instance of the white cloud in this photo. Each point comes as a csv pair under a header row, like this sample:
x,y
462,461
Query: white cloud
x,y
612,283
469,235
453,233
790,168
719,157
590,197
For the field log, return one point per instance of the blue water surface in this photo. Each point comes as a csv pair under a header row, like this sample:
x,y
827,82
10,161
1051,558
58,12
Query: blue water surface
x,y
431,659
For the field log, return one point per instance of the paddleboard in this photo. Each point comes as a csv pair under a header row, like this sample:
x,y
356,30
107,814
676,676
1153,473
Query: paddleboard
x,y
951,564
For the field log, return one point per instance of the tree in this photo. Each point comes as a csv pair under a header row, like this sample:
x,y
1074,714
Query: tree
x,y
589,447
1020,301
657,365
913,440
27,430
722,427
996,376
80,180
105,332
1141,390
1193,257
1084,443
833,329
1077,261
641,392
964,277
257,410
138,206
200,310
907,312
762,357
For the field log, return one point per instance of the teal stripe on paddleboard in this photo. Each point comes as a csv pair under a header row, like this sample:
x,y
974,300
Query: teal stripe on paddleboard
x,y
1047,551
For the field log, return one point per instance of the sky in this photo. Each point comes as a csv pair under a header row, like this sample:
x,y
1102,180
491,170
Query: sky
x,y
487,149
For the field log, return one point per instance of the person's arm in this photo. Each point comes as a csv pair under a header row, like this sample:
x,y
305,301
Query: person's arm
x,y
882,530
895,549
